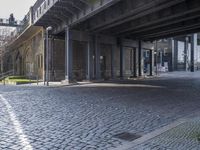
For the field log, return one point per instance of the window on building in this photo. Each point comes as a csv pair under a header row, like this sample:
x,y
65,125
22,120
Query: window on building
x,y
39,59
198,41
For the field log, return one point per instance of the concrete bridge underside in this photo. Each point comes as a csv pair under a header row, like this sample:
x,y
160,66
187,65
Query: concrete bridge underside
x,y
107,27
146,19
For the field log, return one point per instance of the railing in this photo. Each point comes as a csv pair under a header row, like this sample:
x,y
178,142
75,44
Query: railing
x,y
91,7
4,75
40,8
7,22
26,22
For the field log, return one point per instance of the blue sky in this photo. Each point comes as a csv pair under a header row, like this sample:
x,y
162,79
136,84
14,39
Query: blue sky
x,y
18,7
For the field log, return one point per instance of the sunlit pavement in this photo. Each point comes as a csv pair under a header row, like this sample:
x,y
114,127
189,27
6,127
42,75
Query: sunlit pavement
x,y
87,117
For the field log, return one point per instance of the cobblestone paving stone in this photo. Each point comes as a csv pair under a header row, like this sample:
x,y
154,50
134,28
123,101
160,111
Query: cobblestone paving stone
x,y
183,137
87,118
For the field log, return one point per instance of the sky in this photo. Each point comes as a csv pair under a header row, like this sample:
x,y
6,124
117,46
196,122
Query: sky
x,y
18,7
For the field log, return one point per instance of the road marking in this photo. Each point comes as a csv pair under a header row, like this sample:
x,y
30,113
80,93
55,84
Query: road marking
x,y
18,128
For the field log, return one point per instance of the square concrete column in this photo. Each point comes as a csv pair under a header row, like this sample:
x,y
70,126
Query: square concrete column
x,y
68,56
97,58
44,56
121,60
193,51
137,62
89,59
141,59
186,53
151,63
134,63
112,61
174,54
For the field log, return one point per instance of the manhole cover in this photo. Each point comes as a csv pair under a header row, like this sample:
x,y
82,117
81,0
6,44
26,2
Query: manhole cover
x,y
127,136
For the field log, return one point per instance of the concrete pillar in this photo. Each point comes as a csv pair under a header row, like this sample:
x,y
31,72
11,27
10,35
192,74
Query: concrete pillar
x,y
121,60
174,54
134,63
48,58
44,56
193,51
112,61
196,51
151,63
161,58
93,59
141,59
68,56
192,54
186,53
89,59
97,59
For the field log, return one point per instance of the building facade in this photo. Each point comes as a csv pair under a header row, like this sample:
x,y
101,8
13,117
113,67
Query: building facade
x,y
175,53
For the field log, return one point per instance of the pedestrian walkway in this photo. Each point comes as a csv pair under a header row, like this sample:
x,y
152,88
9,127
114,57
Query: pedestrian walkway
x,y
183,137
183,134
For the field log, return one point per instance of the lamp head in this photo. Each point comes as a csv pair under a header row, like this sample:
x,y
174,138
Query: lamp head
x,y
49,28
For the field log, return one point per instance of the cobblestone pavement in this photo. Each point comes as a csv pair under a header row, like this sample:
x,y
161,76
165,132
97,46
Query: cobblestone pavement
x,y
183,137
87,117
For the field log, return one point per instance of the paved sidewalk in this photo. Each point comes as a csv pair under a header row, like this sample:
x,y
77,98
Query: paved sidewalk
x,y
183,134
182,137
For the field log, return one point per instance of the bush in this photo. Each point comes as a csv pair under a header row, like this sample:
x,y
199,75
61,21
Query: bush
x,y
18,80
15,77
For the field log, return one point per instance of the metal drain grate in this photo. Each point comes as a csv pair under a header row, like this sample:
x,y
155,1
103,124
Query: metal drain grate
x,y
127,136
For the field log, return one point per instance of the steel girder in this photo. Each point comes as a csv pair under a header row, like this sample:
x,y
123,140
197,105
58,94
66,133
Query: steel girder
x,y
62,9
71,12
147,21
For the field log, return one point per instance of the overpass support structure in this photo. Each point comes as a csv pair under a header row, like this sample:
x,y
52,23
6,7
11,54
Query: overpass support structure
x,y
87,33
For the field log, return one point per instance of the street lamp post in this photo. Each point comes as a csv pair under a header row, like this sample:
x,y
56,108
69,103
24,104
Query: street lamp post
x,y
47,54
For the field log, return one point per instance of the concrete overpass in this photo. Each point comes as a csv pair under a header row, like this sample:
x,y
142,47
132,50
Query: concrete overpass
x,y
115,20
106,37
147,19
